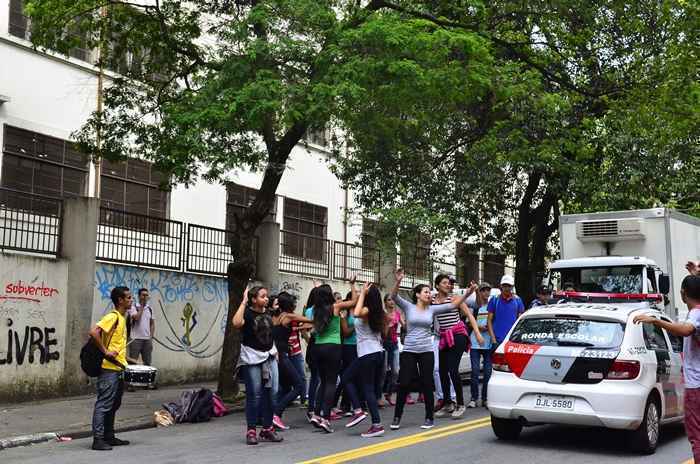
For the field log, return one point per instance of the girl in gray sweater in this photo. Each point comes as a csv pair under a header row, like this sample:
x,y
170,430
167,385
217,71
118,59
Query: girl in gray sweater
x,y
417,359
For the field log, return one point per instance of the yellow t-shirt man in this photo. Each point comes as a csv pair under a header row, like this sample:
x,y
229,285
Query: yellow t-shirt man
x,y
117,342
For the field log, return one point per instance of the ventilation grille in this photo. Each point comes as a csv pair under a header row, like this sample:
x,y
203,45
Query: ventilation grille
x,y
611,230
599,229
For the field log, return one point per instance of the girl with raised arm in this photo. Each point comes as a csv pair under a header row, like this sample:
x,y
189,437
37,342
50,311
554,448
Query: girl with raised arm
x,y
284,320
327,349
391,346
452,344
417,358
257,363
370,321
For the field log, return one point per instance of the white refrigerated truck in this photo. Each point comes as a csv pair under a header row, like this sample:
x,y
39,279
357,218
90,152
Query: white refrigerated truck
x,y
639,254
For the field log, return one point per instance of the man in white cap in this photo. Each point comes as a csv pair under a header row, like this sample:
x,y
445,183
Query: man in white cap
x,y
504,310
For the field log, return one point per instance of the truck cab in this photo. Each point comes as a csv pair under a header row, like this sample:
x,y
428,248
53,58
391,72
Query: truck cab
x,y
637,255
609,277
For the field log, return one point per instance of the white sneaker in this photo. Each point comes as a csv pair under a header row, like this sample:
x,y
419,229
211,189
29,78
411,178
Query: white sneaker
x,y
472,404
458,412
446,410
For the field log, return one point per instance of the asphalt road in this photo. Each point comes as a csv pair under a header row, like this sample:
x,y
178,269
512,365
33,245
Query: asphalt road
x,y
466,440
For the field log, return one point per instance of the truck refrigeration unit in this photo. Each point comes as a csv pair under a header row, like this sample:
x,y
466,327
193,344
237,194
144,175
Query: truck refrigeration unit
x,y
626,255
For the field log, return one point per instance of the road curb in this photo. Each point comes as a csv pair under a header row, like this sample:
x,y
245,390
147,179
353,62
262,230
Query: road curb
x,y
24,440
128,425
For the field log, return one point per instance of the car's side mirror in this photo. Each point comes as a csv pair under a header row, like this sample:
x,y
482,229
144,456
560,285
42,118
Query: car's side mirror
x,y
664,284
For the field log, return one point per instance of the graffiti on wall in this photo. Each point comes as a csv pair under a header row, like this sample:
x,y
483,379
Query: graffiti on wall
x,y
28,337
292,287
183,341
180,302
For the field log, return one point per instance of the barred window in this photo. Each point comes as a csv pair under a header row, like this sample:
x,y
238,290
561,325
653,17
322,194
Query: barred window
x,y
19,22
415,255
494,267
238,198
133,186
308,222
467,262
20,26
320,137
370,243
43,165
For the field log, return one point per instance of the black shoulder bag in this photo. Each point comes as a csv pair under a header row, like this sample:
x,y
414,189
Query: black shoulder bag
x,y
91,356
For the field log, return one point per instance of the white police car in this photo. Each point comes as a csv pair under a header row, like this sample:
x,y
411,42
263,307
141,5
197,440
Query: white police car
x,y
588,364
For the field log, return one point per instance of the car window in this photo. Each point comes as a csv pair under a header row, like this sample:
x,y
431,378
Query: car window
x,y
654,337
650,280
676,341
568,332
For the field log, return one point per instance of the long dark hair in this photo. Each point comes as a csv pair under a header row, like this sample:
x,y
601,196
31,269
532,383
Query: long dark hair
x,y
416,290
312,298
323,308
377,316
271,306
286,302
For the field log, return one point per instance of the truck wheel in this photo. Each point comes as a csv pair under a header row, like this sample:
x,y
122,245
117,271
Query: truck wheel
x,y
506,429
646,437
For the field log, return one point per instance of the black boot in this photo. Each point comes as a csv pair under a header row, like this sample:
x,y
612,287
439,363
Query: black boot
x,y
98,444
114,441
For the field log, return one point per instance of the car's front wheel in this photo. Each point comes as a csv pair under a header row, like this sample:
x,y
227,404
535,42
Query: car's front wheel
x,y
646,437
506,429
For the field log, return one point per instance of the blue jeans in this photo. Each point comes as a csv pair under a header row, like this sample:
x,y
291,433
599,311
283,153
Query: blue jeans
x,y
259,400
349,357
289,373
366,373
476,356
110,388
392,360
298,363
314,382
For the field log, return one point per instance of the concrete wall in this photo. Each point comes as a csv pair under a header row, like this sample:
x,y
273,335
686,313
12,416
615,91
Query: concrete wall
x,y
32,325
190,312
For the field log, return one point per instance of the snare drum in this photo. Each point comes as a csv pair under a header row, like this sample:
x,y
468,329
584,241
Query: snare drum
x,y
138,375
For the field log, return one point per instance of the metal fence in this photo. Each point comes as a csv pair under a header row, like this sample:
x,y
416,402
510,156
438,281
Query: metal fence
x,y
139,239
420,268
209,249
350,260
30,223
417,267
304,254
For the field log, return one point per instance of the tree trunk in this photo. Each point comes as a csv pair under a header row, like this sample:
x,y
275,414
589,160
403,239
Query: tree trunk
x,y
242,269
533,234
523,276
549,208
238,275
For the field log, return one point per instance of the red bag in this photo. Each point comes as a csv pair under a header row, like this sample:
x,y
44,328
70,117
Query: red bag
x,y
220,408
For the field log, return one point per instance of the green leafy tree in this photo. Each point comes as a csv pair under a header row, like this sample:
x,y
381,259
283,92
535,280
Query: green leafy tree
x,y
207,86
592,105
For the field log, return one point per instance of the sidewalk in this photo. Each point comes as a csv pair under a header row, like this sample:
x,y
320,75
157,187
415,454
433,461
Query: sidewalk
x,y
34,422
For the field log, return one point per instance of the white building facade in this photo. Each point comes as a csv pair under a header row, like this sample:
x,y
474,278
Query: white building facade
x,y
67,238
45,97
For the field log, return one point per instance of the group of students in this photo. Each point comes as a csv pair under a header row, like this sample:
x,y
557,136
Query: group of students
x,y
353,352
271,354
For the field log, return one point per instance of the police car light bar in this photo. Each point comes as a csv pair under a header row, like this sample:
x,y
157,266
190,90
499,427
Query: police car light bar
x,y
613,296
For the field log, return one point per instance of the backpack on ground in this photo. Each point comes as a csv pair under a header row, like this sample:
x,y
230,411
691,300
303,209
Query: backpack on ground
x,y
192,406
202,406
91,356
